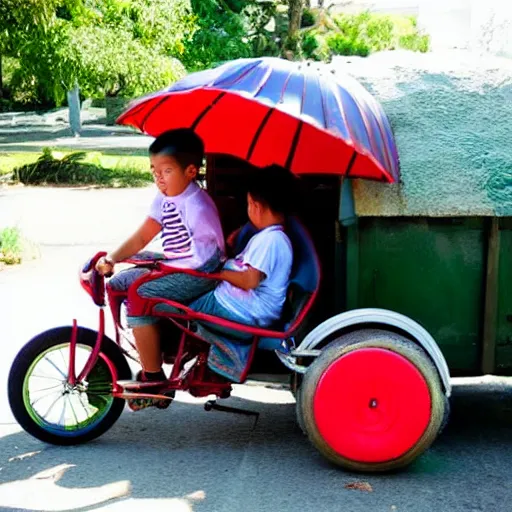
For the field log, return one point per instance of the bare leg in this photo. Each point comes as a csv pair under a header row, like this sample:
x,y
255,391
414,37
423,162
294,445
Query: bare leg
x,y
147,340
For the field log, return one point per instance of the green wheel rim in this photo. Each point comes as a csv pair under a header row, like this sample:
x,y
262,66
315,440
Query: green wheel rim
x,y
59,408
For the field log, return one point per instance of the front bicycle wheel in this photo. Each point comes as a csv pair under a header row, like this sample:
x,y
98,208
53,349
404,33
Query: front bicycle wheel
x,y
49,408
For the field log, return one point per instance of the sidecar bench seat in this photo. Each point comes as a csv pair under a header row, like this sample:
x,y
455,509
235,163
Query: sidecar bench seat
x,y
303,287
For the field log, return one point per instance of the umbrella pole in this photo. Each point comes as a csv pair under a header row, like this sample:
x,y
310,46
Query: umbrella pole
x,y
345,244
339,254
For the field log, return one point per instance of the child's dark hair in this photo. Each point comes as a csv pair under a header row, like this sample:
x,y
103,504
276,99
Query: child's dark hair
x,y
183,144
274,187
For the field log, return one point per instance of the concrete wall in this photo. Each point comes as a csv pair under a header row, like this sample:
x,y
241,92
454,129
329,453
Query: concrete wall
x,y
452,117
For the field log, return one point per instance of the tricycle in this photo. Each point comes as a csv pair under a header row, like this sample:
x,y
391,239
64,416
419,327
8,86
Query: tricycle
x,y
371,385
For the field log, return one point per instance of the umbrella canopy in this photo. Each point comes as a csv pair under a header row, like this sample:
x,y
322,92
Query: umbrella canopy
x,y
273,111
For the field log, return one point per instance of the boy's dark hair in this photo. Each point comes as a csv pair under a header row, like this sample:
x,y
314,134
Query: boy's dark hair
x,y
183,144
275,187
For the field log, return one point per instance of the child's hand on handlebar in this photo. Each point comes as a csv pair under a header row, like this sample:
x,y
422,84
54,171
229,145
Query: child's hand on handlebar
x,y
105,265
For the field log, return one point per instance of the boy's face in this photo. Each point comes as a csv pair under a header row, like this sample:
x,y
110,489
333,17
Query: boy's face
x,y
170,178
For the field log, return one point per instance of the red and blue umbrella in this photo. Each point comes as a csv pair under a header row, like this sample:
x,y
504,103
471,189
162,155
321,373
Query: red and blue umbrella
x,y
273,111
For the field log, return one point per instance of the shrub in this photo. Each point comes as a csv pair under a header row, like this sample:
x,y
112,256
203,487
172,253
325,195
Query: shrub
x,y
308,18
414,42
71,170
340,44
11,246
366,32
310,45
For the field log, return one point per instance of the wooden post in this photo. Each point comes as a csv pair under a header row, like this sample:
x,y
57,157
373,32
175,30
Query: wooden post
x,y
491,298
74,111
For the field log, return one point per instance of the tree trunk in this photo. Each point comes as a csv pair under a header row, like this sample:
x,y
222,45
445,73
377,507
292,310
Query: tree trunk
x,y
295,15
292,46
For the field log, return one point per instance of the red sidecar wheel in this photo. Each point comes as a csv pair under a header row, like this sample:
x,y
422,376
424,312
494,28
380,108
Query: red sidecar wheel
x,y
46,407
372,401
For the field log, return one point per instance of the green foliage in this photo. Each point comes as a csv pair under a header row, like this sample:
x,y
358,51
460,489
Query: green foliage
x,y
220,36
308,18
310,45
315,46
366,32
116,47
340,44
110,62
229,30
11,246
127,48
162,25
14,248
72,170
102,61
414,42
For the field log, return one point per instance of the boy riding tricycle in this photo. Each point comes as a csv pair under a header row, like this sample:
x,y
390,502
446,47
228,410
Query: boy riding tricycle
x,y
371,392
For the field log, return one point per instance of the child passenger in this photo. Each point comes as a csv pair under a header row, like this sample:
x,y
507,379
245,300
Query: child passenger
x,y
254,283
191,235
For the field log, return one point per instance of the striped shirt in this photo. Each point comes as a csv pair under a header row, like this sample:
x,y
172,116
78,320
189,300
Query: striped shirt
x,y
191,229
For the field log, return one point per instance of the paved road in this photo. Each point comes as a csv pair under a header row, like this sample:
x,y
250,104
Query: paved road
x,y
185,459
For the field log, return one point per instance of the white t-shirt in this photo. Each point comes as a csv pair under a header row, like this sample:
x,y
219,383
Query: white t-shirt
x,y
270,252
191,230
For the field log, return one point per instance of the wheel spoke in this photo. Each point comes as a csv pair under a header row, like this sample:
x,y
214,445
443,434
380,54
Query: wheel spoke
x,y
47,389
44,396
86,409
73,411
62,419
52,406
56,367
63,359
55,405
45,377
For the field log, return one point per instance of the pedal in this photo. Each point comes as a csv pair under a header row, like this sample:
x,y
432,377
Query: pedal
x,y
212,405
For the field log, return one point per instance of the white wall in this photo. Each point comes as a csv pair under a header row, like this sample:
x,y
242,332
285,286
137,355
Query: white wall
x,y
479,25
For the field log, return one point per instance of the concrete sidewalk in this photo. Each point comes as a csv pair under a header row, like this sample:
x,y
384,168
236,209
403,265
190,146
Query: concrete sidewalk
x,y
32,131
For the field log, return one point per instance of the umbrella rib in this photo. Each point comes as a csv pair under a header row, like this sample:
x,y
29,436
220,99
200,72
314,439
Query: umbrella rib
x,y
152,109
135,110
201,116
351,163
258,133
293,147
324,106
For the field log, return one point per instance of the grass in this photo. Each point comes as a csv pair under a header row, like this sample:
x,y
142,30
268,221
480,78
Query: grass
x,y
8,161
76,168
14,248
